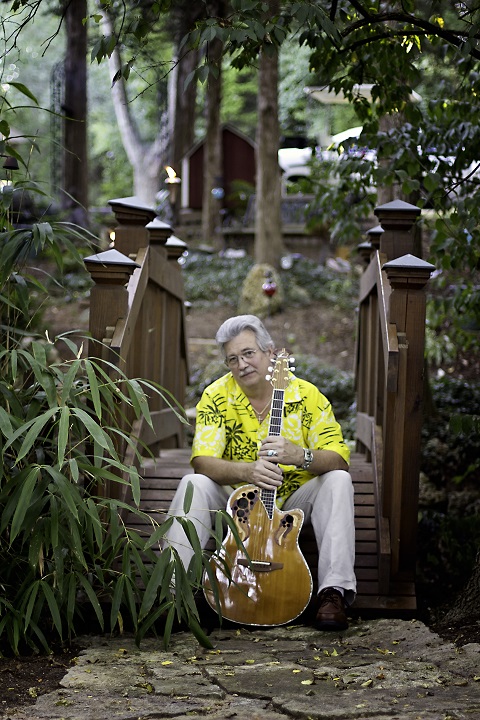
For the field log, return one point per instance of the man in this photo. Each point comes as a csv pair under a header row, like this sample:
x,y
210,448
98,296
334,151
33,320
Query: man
x,y
307,463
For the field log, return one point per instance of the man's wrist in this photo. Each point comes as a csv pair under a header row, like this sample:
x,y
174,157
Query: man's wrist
x,y
307,459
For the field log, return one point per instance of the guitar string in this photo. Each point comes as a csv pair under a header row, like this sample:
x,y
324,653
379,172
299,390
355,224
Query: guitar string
x,y
268,496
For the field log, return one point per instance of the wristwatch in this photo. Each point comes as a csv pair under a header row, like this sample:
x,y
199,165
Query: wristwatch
x,y
307,458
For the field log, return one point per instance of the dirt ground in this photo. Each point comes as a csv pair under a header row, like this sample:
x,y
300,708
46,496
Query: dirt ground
x,y
319,329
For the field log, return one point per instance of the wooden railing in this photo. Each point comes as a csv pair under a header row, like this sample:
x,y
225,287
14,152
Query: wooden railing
x,y
137,323
390,381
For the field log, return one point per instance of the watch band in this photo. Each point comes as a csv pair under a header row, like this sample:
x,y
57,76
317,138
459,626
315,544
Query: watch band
x,y
307,458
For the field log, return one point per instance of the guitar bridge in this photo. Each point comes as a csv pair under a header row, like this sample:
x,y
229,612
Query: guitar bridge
x,y
260,565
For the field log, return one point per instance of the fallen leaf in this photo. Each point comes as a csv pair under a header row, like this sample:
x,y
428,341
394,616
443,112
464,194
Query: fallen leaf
x,y
307,682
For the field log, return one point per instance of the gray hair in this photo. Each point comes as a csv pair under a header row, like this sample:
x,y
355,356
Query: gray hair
x,y
235,325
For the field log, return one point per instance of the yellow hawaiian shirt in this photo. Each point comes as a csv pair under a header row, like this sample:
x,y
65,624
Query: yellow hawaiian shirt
x,y
227,427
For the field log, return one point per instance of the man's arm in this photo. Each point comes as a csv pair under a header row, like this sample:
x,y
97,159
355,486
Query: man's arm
x,y
261,472
290,454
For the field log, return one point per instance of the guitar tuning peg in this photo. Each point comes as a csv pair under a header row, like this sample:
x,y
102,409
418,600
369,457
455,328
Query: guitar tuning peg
x,y
270,368
291,360
293,368
268,377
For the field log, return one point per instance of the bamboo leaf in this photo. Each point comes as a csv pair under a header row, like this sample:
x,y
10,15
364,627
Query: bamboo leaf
x,y
92,510
197,631
97,432
71,599
187,500
92,597
116,602
94,389
68,380
35,428
154,583
63,428
67,492
5,425
132,605
14,363
53,606
54,521
30,603
135,481
23,502
159,532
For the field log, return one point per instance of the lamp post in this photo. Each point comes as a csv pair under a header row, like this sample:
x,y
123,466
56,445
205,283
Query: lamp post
x,y
173,185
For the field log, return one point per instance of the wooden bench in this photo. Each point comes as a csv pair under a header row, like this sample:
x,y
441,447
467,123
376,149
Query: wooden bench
x,y
160,478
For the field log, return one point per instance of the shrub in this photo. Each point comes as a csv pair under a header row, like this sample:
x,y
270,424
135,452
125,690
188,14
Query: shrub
x,y
65,554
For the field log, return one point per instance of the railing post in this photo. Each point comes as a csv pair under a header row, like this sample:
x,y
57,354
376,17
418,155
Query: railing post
x,y
175,247
398,222
408,276
110,271
132,217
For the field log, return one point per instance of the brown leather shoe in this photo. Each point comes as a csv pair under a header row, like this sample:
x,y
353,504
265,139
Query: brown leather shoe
x,y
331,611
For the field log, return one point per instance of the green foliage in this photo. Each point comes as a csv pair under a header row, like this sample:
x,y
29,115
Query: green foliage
x,y
447,454
214,279
337,385
211,279
67,561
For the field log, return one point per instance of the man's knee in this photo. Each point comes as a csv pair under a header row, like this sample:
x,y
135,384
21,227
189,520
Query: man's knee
x,y
337,482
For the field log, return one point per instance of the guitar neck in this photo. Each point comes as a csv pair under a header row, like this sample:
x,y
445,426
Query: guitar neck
x,y
275,428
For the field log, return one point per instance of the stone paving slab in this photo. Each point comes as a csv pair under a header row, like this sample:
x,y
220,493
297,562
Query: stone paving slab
x,y
387,669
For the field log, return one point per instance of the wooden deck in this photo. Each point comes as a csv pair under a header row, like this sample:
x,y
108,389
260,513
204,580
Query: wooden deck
x,y
159,481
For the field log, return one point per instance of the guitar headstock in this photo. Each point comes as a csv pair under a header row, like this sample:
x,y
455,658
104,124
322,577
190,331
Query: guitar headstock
x,y
279,377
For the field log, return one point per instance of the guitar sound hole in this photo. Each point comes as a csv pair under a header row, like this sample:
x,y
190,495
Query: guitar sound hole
x,y
252,496
287,521
242,503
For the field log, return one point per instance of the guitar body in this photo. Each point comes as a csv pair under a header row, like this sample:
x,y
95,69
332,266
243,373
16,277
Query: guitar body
x,y
271,584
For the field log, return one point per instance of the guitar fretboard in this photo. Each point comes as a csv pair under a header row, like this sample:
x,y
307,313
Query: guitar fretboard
x,y
275,428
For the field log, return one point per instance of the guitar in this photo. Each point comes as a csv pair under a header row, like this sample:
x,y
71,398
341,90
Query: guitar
x,y
267,582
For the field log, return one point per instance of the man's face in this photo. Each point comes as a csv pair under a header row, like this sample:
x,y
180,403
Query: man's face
x,y
247,363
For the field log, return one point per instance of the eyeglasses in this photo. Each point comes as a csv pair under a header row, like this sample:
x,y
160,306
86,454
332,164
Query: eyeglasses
x,y
233,360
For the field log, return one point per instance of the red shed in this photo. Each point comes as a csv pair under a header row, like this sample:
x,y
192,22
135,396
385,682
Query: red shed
x,y
238,164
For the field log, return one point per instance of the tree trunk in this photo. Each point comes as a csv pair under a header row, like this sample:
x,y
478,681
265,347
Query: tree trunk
x,y
182,104
467,605
75,182
145,158
212,153
269,246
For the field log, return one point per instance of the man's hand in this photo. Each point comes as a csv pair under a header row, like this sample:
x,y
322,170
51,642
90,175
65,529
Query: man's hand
x,y
278,449
265,474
